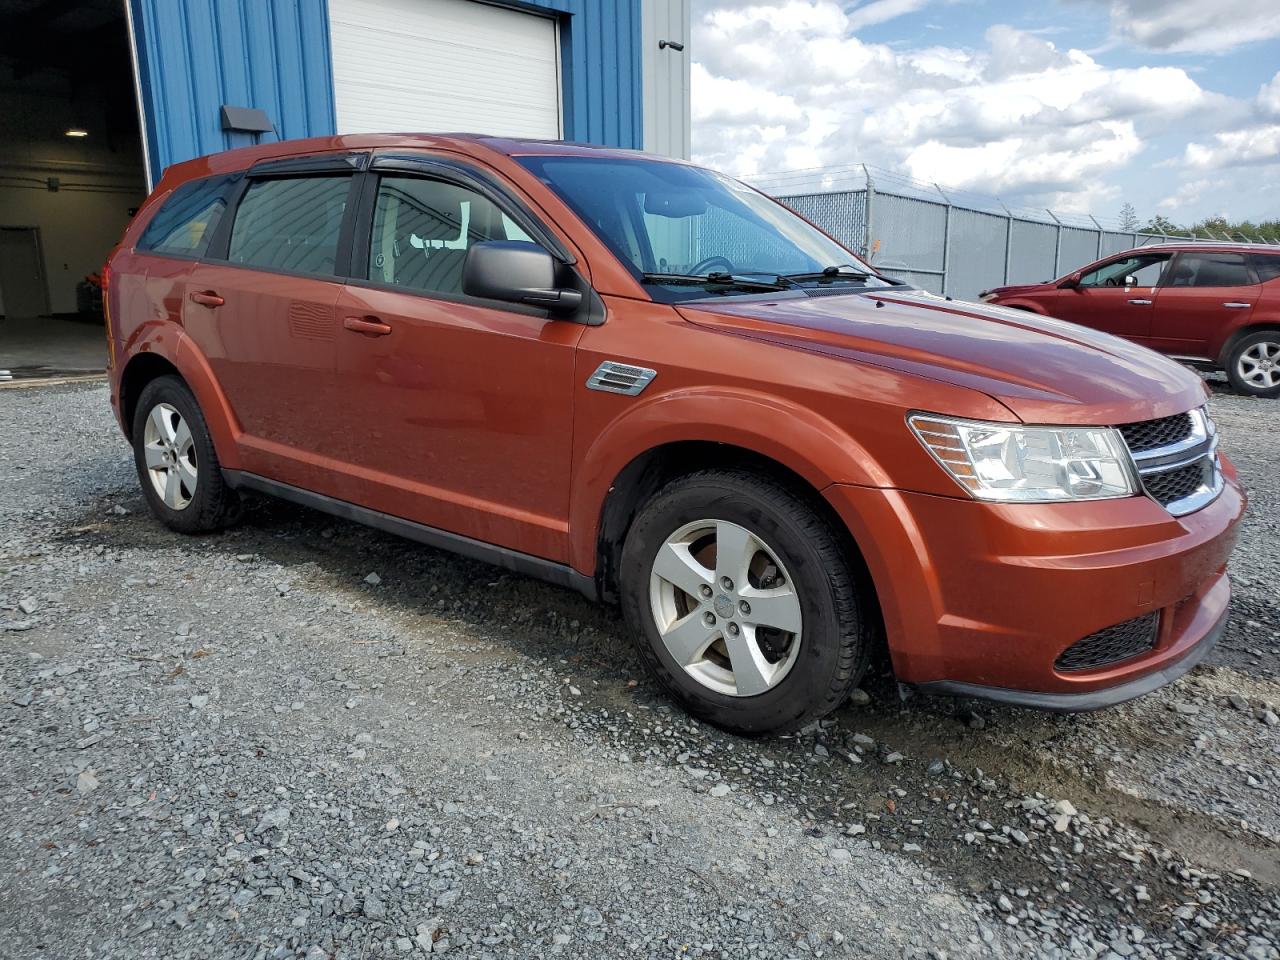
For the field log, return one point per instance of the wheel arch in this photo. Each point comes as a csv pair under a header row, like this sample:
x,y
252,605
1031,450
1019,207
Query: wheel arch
x,y
1233,338
176,355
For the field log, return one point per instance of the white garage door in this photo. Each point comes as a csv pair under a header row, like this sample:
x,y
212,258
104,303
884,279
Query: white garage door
x,y
444,65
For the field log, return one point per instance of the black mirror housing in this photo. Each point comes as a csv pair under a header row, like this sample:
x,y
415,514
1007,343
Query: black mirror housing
x,y
515,271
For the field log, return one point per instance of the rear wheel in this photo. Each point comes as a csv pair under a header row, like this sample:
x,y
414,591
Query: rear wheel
x,y
1253,364
742,603
177,466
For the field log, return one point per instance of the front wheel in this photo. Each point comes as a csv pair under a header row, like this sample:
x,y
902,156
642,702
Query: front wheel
x,y
742,603
1253,365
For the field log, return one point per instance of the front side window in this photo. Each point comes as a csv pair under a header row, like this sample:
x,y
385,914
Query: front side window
x,y
290,224
1146,270
1211,270
422,230
184,224
675,220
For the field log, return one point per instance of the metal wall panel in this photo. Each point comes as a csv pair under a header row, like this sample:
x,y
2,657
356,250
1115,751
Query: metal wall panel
x,y
195,55
667,120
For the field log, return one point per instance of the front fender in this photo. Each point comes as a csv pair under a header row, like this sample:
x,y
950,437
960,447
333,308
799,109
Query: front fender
x,y
793,435
169,341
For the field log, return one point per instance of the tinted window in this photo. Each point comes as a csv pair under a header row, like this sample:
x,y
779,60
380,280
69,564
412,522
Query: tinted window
x,y
290,224
423,228
1267,266
1145,269
1211,270
186,221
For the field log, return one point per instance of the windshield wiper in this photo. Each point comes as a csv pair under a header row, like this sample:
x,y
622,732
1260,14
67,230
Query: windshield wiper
x,y
715,279
827,274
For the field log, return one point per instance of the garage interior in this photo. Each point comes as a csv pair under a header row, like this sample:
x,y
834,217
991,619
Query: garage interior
x,y
71,175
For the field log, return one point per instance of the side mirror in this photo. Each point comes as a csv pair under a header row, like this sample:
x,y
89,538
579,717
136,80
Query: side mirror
x,y
1071,282
515,271
1130,280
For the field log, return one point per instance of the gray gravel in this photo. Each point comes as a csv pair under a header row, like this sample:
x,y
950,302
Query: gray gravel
x,y
306,739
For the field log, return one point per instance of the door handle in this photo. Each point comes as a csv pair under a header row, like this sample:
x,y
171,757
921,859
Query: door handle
x,y
370,326
1236,305
207,299
1141,303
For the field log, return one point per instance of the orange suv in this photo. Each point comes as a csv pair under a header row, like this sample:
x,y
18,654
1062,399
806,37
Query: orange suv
x,y
647,381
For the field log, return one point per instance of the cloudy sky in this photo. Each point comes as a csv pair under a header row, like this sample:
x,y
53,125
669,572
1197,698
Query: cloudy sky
x,y
1171,105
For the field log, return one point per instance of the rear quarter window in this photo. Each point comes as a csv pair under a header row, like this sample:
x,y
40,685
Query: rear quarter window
x,y
185,223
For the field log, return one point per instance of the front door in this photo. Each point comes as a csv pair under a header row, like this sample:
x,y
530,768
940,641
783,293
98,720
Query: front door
x,y
264,317
1117,297
1206,291
457,413
22,288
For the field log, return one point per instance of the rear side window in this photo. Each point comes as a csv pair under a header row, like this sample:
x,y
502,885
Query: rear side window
x,y
1267,266
423,228
186,221
290,224
1211,270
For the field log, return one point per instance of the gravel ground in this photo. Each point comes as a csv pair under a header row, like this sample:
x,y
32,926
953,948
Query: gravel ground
x,y
302,738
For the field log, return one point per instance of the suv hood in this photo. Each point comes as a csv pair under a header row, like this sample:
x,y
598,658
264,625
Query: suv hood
x,y
1043,370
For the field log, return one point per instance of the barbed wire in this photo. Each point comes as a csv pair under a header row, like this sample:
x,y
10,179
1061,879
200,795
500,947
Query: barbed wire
x,y
853,177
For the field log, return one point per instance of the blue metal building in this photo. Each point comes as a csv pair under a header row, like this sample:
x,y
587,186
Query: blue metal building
x,y
603,71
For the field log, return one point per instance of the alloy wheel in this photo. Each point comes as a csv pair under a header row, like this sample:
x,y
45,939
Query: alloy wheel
x,y
1259,365
170,456
726,608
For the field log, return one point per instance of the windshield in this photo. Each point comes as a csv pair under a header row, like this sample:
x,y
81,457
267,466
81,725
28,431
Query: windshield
x,y
675,225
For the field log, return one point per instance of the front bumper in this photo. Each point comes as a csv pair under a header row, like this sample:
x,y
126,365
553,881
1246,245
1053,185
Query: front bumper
x,y
980,599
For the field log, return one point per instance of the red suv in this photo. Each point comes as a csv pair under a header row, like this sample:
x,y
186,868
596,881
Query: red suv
x,y
647,381
1211,304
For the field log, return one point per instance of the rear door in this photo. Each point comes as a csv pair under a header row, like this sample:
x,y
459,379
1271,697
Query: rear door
x,y
1116,297
1206,291
261,308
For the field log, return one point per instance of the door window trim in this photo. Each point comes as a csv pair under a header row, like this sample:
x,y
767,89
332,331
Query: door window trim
x,y
218,251
456,174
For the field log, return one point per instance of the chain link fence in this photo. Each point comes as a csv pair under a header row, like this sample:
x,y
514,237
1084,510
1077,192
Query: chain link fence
x,y
917,233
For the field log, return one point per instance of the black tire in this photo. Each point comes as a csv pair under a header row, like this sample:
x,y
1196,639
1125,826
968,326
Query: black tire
x,y
212,505
836,637
1237,352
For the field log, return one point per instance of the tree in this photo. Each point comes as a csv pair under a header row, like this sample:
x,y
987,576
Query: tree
x,y
1163,226
1128,218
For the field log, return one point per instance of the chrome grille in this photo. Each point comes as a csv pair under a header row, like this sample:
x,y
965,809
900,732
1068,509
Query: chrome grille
x,y
1112,645
1177,460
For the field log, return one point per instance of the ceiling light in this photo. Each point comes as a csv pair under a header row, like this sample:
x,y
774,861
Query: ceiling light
x,y
77,132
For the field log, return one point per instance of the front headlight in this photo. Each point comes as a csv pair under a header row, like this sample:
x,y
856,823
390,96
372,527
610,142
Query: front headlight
x,y
1014,463
986,296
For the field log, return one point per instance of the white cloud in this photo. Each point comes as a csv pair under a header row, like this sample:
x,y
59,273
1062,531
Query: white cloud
x,y
1018,115
1236,148
1269,97
1193,26
880,11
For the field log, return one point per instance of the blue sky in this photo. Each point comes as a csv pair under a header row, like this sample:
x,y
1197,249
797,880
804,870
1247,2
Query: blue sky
x,y
1083,105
